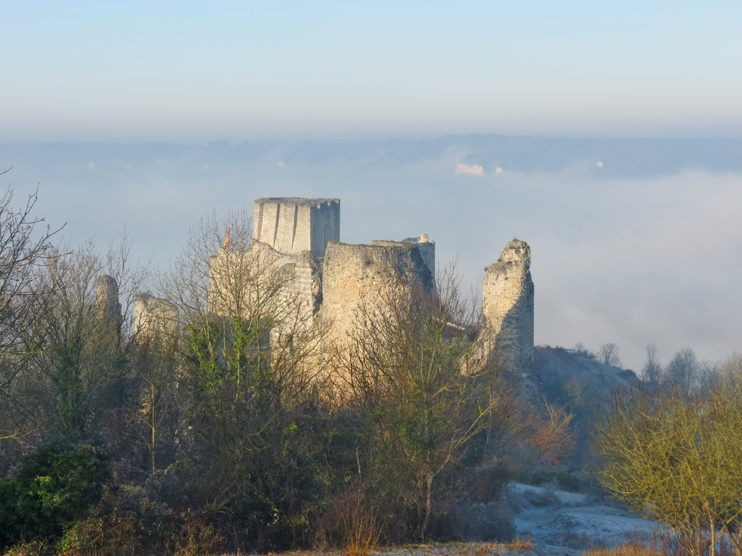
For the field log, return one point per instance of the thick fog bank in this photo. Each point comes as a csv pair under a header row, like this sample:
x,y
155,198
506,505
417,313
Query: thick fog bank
x,y
634,241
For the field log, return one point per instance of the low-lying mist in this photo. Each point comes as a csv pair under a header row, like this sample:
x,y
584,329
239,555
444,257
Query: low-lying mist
x,y
624,250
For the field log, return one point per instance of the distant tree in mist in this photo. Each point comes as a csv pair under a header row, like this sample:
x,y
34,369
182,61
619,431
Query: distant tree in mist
x,y
683,370
652,369
582,351
608,355
731,368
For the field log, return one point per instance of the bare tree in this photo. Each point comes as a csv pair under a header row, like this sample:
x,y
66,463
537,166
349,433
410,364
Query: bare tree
x,y
248,295
73,349
404,369
582,351
23,246
682,372
731,369
187,282
248,363
608,355
652,370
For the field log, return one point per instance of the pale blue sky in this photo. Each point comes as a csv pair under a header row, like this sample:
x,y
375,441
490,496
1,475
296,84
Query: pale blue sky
x,y
196,71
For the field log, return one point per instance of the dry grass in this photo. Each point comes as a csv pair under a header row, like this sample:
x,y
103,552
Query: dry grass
x,y
629,549
29,549
486,548
518,545
361,528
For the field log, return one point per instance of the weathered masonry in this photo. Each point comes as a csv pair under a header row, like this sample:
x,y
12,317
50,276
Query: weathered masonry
x,y
291,225
363,278
508,301
296,248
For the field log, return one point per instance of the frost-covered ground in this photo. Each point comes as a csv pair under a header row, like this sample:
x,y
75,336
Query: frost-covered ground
x,y
557,523
561,522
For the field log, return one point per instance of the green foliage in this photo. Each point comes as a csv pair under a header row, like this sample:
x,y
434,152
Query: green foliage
x,y
82,536
70,388
55,487
253,458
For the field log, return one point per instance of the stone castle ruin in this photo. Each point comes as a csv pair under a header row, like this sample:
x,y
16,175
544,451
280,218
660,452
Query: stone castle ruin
x,y
296,249
360,280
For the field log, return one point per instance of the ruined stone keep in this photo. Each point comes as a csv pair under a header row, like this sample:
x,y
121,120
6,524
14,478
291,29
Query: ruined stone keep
x,y
154,317
296,248
107,299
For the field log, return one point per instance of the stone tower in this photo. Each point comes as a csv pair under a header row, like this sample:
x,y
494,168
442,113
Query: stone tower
x,y
370,276
507,304
291,225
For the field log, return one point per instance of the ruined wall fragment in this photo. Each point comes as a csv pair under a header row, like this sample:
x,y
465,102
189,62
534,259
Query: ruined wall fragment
x,y
241,281
262,283
154,317
107,299
507,305
426,245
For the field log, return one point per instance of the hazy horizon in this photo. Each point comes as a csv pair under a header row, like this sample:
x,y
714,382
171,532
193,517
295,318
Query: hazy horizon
x,y
632,240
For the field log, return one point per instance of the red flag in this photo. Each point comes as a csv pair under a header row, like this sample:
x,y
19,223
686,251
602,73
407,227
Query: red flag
x,y
226,241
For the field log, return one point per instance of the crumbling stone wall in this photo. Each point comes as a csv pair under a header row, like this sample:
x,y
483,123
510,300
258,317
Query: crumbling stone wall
x,y
283,264
335,286
241,280
368,276
426,246
291,225
107,299
508,303
306,272
154,317
261,282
